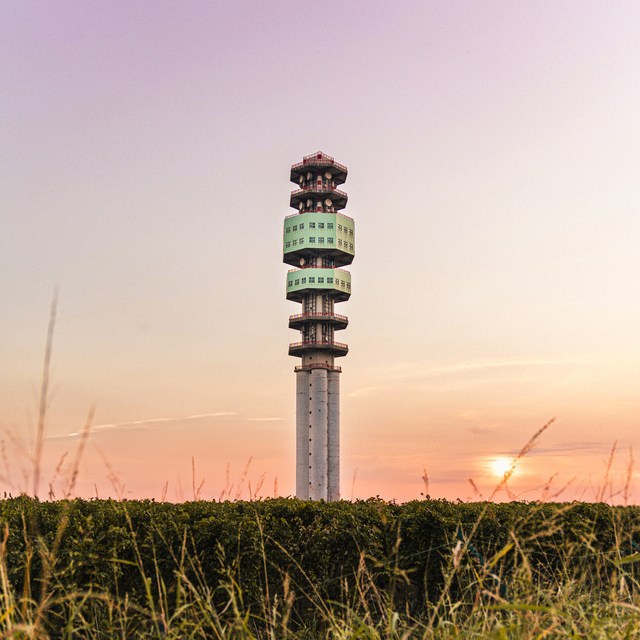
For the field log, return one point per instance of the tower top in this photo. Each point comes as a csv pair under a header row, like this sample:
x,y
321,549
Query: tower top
x,y
316,162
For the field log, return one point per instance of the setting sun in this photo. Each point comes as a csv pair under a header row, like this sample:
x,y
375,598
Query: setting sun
x,y
500,466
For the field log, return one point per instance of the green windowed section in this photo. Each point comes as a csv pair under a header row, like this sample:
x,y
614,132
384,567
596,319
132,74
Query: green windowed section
x,y
317,230
318,279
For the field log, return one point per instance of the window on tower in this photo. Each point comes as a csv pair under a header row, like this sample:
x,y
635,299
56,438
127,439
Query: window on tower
x,y
297,282
350,247
339,227
329,240
312,280
320,225
288,229
321,240
288,245
290,283
295,227
350,231
312,225
320,280
295,242
304,281
339,242
329,280
348,285
301,240
312,240
301,226
329,225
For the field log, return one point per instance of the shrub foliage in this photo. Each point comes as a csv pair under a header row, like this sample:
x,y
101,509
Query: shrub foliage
x,y
158,556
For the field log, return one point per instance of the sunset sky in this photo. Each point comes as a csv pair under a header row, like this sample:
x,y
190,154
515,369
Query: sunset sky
x,y
494,176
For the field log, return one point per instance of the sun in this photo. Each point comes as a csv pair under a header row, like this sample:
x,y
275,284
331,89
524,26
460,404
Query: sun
x,y
500,466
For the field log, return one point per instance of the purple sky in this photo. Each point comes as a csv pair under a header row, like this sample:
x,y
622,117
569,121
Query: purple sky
x,y
493,165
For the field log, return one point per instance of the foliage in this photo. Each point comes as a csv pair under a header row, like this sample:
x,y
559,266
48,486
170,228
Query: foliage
x,y
102,568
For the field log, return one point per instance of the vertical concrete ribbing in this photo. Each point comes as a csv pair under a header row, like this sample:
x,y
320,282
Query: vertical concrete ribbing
x,y
302,435
333,435
318,434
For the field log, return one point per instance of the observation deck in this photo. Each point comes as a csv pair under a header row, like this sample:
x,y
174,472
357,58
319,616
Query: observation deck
x,y
317,161
336,349
300,320
333,198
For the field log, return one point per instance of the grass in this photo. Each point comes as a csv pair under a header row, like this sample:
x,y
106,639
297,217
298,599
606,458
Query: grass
x,y
481,597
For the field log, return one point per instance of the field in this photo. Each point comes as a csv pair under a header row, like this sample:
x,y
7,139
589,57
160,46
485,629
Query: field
x,y
281,568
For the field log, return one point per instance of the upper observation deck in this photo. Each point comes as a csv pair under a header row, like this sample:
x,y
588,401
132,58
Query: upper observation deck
x,y
318,163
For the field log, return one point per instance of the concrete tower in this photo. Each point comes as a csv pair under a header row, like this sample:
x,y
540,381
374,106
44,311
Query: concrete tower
x,y
317,240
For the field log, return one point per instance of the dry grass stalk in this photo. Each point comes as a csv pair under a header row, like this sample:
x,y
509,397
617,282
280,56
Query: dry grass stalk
x,y
44,395
353,484
523,452
196,491
425,481
86,430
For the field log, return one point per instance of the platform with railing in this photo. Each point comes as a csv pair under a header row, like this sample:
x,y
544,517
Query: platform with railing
x,y
336,348
313,159
298,320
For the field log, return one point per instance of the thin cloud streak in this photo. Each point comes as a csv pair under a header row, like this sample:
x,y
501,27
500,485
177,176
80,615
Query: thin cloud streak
x,y
568,447
141,424
411,370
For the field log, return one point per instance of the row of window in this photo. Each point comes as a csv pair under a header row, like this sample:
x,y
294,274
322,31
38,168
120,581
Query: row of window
x,y
312,240
312,280
312,225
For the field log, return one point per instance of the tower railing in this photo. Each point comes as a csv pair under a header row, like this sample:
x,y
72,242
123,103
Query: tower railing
x,y
313,159
299,213
308,314
312,343
313,266
315,187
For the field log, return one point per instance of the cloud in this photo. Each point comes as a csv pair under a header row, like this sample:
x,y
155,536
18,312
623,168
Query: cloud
x,y
143,424
417,370
569,447
477,417
484,427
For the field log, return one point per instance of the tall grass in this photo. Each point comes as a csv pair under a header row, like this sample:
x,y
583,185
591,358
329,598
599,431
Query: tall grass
x,y
482,597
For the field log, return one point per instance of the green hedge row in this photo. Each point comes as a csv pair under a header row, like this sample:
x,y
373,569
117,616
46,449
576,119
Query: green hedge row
x,y
125,548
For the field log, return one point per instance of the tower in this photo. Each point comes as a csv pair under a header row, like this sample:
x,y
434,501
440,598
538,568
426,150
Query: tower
x,y
318,239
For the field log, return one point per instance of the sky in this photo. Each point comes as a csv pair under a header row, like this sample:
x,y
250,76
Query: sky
x,y
493,161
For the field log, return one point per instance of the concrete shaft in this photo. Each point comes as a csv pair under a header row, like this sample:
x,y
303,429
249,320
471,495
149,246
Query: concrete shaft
x,y
318,435
302,435
333,435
